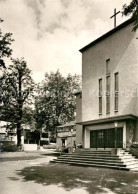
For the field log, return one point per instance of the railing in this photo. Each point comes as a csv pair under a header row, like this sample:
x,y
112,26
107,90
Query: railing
x,y
64,148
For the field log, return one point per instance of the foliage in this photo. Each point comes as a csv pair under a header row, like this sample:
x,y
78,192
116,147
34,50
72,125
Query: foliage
x,y
43,142
132,9
134,145
5,51
17,91
55,101
50,146
9,148
5,42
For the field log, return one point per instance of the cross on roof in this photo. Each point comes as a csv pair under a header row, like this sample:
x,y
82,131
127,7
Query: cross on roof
x,y
115,13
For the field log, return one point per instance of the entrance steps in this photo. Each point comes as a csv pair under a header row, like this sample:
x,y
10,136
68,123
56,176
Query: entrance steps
x,y
103,159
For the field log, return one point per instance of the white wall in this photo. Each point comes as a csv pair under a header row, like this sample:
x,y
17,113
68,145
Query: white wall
x,y
122,48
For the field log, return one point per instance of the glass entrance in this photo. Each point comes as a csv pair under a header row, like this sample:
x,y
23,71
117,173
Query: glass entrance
x,y
119,137
105,138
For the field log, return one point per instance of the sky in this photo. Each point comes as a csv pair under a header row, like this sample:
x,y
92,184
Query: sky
x,y
50,33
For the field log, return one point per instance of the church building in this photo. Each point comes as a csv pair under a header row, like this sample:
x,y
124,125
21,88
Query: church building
x,y
107,107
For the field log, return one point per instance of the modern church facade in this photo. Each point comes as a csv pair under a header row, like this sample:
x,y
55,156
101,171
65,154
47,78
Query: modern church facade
x,y
107,108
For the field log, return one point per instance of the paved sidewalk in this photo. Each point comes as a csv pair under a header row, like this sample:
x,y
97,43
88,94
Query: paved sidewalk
x,y
38,176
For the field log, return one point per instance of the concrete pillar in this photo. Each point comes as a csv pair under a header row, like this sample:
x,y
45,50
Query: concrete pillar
x,y
87,138
124,135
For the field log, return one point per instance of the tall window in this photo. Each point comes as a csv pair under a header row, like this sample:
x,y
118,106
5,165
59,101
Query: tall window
x,y
100,96
108,86
108,94
107,66
116,90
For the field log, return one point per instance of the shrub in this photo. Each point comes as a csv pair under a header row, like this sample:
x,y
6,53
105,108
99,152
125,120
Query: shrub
x,y
50,146
43,142
134,145
9,148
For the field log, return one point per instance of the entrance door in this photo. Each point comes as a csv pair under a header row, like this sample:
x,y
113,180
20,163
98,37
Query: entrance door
x,y
109,138
106,138
120,138
97,139
93,139
100,139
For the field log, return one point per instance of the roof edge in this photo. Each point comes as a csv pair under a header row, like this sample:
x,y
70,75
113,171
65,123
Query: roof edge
x,y
108,119
129,21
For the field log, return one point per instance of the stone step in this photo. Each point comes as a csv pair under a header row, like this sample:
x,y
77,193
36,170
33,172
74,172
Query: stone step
x,y
92,165
90,155
125,154
83,151
91,158
103,159
94,162
92,151
130,163
97,157
128,160
132,166
100,159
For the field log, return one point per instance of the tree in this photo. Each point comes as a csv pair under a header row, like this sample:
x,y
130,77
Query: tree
x,y
5,51
132,9
55,102
5,42
17,90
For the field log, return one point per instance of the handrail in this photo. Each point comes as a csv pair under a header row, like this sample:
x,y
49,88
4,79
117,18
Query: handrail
x,y
68,144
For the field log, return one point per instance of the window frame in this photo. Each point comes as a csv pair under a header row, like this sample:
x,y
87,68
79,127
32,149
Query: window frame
x,y
116,92
108,66
100,96
108,90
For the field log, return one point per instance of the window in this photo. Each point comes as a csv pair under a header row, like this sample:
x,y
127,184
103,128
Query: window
x,y
107,66
108,94
116,91
44,135
63,142
100,96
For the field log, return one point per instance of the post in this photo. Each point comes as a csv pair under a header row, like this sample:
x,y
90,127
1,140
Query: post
x,y
116,137
115,18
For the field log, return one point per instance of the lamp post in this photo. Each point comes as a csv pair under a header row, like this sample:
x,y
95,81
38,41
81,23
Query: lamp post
x,y
116,124
71,139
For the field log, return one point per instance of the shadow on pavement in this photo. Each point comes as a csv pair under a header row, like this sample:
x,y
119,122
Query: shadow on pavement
x,y
93,179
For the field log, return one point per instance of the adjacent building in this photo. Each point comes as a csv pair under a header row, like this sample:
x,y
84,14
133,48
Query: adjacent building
x,y
66,135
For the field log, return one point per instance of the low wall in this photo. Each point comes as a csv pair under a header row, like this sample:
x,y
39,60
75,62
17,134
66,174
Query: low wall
x,y
30,147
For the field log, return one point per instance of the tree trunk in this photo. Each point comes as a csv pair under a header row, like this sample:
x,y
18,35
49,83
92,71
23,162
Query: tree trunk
x,y
18,135
20,106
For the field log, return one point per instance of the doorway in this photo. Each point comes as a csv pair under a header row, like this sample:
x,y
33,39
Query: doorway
x,y
105,138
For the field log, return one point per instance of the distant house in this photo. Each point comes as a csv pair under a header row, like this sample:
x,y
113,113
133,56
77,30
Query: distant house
x,y
36,137
8,135
3,131
66,135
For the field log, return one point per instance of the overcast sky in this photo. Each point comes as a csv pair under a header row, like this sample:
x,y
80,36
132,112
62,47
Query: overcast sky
x,y
49,33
